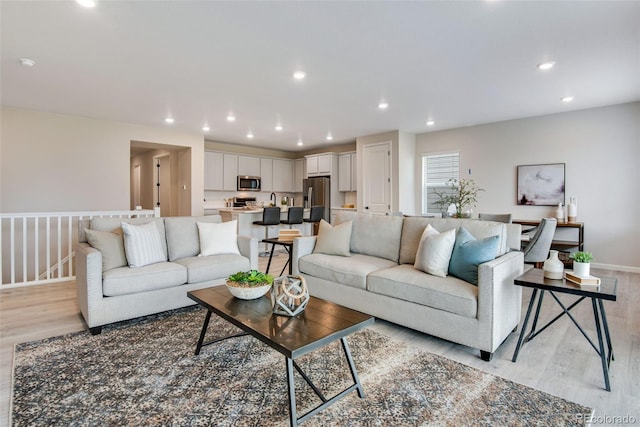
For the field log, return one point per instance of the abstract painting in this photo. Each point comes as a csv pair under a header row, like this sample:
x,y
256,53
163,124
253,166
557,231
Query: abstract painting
x,y
541,185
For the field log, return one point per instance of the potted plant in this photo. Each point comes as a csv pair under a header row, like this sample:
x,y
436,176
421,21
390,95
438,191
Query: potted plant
x,y
582,263
250,284
461,193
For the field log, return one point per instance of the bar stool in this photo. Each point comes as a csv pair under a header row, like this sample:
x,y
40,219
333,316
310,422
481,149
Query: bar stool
x,y
294,216
316,214
270,217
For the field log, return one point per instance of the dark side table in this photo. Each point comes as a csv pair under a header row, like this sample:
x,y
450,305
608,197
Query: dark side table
x,y
288,245
535,279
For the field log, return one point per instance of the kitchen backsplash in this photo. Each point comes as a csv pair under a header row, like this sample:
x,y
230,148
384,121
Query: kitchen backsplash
x,y
216,199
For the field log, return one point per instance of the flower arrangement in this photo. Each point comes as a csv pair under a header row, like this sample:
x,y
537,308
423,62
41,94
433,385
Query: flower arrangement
x,y
461,193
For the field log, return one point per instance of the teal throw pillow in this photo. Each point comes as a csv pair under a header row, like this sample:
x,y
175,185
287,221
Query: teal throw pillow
x,y
469,252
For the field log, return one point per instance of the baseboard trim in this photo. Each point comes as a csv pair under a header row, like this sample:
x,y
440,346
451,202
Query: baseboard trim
x,y
626,268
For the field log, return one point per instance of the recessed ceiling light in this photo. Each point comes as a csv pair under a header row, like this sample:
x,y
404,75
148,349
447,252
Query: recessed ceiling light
x,y
205,128
299,75
169,120
231,117
329,137
430,123
383,105
250,135
546,65
300,143
278,127
86,3
567,99
27,62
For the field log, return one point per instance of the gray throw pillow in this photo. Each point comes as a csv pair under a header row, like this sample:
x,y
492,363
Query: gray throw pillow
x,y
333,240
111,245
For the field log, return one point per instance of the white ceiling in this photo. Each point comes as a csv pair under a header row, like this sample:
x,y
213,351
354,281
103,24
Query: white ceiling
x,y
458,62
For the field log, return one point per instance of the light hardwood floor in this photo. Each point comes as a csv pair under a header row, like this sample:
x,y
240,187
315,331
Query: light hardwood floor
x,y
559,361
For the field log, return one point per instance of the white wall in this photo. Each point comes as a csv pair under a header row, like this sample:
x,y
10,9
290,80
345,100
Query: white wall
x,y
53,162
601,150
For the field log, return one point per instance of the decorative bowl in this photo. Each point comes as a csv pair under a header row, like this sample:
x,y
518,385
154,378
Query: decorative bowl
x,y
247,292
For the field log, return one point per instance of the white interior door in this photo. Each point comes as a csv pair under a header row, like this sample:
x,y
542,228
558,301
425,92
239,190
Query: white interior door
x,y
376,176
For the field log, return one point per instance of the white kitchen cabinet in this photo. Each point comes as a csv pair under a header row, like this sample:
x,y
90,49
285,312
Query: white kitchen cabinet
x,y
298,175
347,172
213,170
282,175
266,173
230,172
322,165
249,165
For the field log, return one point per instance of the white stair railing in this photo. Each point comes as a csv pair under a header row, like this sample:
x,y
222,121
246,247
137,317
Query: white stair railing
x,y
26,239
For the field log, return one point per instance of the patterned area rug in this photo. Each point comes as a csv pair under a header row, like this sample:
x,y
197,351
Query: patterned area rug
x,y
144,372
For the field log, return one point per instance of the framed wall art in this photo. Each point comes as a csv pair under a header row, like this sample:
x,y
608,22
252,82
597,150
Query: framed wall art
x,y
541,185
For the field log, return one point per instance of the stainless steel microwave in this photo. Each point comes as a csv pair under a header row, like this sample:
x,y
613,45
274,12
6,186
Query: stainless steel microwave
x,y
248,183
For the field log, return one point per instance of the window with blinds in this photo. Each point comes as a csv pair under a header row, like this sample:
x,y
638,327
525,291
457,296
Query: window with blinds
x,y
437,169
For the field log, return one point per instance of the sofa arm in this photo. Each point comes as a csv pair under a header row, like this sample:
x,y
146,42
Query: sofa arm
x,y
248,247
301,246
89,282
499,299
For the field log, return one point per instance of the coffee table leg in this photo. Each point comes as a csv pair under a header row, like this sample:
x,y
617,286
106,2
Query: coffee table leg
x,y
352,366
203,332
293,416
524,325
603,356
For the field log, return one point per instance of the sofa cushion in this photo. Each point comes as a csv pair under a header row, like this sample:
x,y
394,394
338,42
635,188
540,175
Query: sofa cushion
x,y
142,244
183,239
126,280
469,253
217,239
205,268
434,251
375,235
414,226
115,224
406,283
333,240
351,271
111,245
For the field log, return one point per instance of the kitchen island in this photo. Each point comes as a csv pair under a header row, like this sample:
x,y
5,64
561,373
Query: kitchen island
x,y
246,217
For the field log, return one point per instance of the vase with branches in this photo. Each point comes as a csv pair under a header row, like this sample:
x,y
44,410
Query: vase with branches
x,y
460,193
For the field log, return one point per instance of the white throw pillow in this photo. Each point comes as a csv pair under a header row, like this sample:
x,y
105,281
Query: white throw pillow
x,y
334,240
218,238
434,251
142,244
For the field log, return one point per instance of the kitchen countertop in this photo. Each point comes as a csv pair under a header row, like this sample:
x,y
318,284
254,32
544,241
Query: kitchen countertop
x,y
339,208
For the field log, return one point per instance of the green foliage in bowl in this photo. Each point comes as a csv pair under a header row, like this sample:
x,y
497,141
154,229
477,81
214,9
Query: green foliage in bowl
x,y
251,278
582,256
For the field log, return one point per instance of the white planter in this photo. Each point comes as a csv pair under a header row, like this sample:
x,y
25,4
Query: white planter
x,y
581,269
248,293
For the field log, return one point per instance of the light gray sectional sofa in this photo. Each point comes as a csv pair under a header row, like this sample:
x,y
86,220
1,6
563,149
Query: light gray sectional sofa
x,y
108,295
379,278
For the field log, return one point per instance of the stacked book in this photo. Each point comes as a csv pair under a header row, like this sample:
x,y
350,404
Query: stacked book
x,y
581,280
289,235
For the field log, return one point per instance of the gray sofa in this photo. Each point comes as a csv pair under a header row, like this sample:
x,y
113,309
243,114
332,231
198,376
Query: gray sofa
x,y
122,293
379,279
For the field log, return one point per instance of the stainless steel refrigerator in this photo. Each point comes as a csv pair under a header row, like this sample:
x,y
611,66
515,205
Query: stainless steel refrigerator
x,y
317,192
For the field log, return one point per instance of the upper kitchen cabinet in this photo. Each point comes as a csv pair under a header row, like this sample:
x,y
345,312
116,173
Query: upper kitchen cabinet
x,y
347,172
266,173
230,172
283,175
213,170
321,164
249,165
298,175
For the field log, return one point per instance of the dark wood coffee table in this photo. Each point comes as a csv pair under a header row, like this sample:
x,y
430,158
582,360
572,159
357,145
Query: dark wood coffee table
x,y
607,290
321,323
